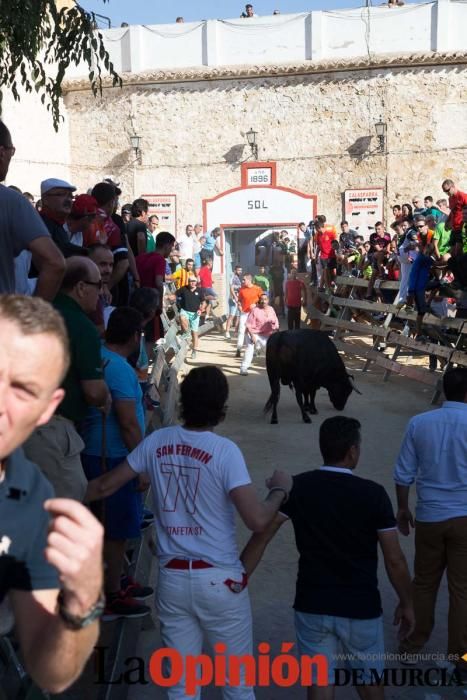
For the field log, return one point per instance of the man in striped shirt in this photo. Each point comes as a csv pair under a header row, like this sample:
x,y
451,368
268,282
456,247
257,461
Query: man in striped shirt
x,y
182,275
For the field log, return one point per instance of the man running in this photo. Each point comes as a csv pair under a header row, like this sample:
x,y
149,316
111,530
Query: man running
x,y
248,297
191,303
261,323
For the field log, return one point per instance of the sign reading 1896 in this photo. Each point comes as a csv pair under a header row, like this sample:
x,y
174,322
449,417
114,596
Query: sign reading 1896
x,y
259,176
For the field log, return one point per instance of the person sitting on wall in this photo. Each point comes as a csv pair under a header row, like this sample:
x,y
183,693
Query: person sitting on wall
x,y
211,245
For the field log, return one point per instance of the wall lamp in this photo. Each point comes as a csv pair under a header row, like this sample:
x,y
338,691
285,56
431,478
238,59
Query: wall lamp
x,y
251,138
381,128
135,144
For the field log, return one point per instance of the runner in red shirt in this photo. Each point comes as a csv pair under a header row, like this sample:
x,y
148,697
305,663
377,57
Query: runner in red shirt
x,y
295,297
457,201
324,236
206,285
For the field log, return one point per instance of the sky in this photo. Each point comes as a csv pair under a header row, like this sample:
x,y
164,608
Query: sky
x,y
163,12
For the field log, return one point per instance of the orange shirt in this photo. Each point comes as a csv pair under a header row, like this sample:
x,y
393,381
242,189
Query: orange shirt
x,y
248,296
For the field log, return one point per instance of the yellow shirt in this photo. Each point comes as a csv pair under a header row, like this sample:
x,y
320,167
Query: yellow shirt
x,y
180,277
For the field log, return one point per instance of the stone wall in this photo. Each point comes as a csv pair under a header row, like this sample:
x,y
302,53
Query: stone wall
x,y
319,127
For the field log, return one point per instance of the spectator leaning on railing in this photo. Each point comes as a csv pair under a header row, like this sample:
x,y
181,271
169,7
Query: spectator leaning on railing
x,y
124,430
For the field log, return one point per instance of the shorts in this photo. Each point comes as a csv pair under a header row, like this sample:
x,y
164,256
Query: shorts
x,y
208,291
328,263
420,301
123,511
192,318
197,259
206,254
362,641
233,308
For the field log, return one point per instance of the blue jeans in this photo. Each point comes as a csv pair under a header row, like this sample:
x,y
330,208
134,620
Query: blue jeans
x,y
359,643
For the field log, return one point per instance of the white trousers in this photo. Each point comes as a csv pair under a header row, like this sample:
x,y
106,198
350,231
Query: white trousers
x,y
241,329
250,350
193,603
404,280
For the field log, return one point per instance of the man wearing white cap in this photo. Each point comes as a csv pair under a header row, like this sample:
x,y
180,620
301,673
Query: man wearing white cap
x,y
57,201
21,229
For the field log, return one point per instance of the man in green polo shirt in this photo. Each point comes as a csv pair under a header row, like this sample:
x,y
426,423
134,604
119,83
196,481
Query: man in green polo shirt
x,y
442,241
56,446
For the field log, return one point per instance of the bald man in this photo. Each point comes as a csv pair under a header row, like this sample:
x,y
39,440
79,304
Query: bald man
x,y
56,446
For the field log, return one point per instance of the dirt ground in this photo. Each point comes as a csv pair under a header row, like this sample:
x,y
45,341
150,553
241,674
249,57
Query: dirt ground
x,y
383,410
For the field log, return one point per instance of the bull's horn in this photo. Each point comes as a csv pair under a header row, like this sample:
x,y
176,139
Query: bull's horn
x,y
353,384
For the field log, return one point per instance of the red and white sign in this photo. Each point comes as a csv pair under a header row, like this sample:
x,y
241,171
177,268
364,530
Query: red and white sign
x,y
363,208
165,206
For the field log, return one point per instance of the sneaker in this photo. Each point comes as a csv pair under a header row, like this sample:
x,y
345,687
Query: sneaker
x,y
227,335
400,304
193,355
244,373
118,606
238,353
132,589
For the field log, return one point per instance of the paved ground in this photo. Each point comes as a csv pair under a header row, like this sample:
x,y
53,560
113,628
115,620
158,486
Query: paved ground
x,y
292,445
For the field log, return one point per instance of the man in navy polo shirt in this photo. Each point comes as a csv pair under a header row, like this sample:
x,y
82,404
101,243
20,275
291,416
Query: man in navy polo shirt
x,y
50,549
338,519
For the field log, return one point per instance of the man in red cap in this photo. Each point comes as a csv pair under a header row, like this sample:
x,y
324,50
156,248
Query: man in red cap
x,y
83,212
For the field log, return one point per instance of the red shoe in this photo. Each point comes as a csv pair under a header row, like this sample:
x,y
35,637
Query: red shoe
x,y
135,590
119,605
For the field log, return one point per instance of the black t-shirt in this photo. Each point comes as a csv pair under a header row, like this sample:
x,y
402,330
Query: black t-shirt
x,y
121,290
133,227
188,300
336,517
120,251
24,528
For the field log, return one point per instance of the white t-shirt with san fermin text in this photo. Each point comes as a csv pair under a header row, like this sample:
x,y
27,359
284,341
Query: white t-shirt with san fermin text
x,y
191,475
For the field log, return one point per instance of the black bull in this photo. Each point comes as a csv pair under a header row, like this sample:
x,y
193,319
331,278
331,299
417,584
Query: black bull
x,y
306,360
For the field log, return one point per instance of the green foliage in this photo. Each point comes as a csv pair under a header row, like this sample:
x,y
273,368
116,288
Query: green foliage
x,y
38,43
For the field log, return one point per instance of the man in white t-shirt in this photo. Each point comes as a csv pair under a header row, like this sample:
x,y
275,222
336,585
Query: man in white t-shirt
x,y
185,244
199,480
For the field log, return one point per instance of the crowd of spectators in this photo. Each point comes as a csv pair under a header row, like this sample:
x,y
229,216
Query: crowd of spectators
x,y
424,248
75,405
104,273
